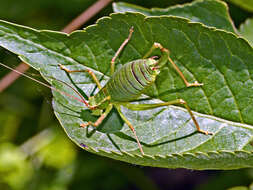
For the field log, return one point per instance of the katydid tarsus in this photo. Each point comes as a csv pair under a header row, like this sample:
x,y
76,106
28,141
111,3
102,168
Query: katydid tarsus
x,y
127,84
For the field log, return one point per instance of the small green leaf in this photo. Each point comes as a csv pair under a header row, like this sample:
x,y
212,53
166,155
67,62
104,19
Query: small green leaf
x,y
246,30
56,157
209,12
246,5
15,170
223,105
239,188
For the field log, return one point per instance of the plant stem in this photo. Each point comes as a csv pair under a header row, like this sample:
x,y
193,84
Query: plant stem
x,y
86,15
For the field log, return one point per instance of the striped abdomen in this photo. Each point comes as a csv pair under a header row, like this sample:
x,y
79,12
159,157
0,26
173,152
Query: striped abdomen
x,y
130,80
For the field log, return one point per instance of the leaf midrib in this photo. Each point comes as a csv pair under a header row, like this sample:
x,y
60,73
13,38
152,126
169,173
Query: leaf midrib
x,y
43,48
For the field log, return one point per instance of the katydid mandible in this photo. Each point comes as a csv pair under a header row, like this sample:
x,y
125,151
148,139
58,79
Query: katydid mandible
x,y
128,83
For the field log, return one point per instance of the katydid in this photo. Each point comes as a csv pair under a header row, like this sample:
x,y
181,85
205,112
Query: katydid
x,y
126,85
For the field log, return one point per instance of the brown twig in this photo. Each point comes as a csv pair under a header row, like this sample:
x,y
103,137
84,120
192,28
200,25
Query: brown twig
x,y
12,76
86,15
8,79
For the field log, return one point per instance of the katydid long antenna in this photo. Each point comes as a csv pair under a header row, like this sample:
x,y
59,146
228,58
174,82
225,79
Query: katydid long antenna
x,y
81,99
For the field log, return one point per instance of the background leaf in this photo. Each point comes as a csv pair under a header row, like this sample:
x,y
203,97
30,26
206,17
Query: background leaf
x,y
224,103
246,30
14,169
209,12
247,5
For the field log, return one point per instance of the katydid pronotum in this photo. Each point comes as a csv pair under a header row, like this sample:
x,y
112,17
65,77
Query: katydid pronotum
x,y
126,85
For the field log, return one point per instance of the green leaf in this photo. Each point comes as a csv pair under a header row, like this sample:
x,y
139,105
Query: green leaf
x,y
239,188
246,5
209,12
223,105
56,157
15,170
246,30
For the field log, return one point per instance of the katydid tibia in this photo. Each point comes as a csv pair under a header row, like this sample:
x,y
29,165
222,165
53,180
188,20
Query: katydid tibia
x,y
127,84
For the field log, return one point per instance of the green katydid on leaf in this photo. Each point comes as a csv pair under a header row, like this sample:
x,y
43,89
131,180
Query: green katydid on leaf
x,y
220,60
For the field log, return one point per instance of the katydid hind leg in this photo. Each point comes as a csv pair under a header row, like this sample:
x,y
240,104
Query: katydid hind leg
x,y
139,107
132,129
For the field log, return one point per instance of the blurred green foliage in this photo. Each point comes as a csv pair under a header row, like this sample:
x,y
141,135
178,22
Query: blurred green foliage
x,y
36,154
15,170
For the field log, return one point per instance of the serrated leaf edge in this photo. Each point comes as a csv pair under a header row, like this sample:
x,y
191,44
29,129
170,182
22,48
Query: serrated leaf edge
x,y
114,5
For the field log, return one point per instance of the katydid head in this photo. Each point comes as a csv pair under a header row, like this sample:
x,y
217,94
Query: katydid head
x,y
152,63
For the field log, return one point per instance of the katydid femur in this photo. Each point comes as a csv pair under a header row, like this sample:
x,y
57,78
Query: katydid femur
x,y
128,83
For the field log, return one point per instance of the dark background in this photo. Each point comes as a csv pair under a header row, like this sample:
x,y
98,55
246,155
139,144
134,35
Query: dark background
x,y
36,154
